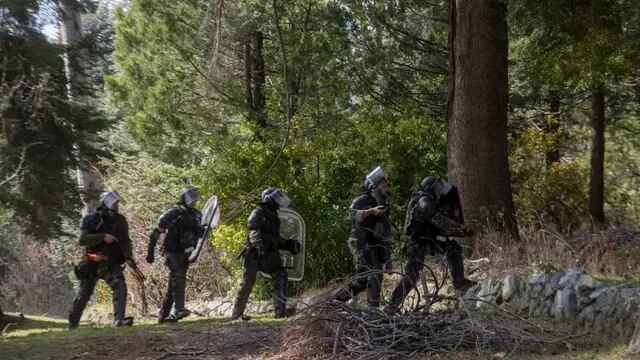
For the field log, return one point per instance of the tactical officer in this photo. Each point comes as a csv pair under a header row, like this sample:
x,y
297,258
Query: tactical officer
x,y
105,234
262,252
181,223
369,238
434,211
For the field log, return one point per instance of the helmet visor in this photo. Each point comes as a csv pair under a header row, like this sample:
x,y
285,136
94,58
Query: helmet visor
x,y
441,188
191,195
109,199
280,198
376,176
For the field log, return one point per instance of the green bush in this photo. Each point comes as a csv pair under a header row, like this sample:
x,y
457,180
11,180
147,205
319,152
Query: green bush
x,y
548,194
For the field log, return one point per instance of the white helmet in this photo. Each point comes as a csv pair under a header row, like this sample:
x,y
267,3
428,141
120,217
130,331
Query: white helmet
x,y
376,177
109,198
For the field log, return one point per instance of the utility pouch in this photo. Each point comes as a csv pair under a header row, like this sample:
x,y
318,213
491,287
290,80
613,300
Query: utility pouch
x,y
84,270
270,261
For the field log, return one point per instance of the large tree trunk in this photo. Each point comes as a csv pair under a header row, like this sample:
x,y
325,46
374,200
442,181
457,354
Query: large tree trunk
x,y
477,113
596,179
551,129
89,178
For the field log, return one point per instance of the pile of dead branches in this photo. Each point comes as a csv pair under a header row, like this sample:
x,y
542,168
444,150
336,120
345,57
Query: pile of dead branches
x,y
364,333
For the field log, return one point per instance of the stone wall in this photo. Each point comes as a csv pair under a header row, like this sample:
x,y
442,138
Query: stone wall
x,y
573,295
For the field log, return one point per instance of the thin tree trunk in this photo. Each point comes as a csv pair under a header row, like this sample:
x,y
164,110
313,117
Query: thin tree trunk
x,y
552,129
255,78
89,178
596,179
258,77
248,93
477,113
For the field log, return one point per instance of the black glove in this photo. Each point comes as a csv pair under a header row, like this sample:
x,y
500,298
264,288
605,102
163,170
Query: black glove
x,y
153,239
296,246
150,256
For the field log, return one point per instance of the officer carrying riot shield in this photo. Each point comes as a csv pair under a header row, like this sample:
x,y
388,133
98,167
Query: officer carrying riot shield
x,y
182,226
262,252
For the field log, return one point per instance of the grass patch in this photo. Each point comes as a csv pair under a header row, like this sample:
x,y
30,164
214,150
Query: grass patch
x,y
630,280
35,337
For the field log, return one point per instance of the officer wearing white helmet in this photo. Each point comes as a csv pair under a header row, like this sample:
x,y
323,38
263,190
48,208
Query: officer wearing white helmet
x,y
181,223
105,235
368,239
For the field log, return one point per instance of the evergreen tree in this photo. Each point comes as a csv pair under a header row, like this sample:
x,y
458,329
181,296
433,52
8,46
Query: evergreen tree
x,y
44,134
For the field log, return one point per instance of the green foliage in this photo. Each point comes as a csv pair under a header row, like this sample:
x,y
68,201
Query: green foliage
x,y
554,195
44,135
561,44
326,127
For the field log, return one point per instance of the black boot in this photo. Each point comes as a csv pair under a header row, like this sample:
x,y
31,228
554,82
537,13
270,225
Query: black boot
x,y
456,268
182,314
128,321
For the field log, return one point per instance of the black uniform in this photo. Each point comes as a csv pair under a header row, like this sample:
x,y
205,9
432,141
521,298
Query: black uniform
x,y
182,225
426,219
370,249
262,253
93,228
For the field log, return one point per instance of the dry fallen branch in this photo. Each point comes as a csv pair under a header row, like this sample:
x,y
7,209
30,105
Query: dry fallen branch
x,y
365,333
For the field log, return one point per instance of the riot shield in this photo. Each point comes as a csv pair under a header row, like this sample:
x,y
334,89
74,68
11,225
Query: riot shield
x,y
292,225
210,218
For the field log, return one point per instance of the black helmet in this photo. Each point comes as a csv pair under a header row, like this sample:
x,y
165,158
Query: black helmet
x,y
435,185
276,195
189,195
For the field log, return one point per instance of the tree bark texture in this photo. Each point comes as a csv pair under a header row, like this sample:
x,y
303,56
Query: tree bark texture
x,y
596,178
255,78
89,178
477,113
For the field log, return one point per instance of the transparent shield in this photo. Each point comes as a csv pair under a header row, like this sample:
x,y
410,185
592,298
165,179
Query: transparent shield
x,y
210,218
292,225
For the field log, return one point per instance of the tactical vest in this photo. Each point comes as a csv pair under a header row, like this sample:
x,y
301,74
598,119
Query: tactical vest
x,y
429,230
373,228
270,229
115,226
183,229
